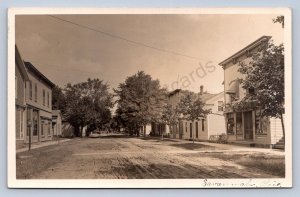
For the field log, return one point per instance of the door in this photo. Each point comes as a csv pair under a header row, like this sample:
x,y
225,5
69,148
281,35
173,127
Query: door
x,y
197,129
248,126
180,129
191,130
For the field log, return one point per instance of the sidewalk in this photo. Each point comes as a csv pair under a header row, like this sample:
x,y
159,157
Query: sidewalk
x,y
42,144
229,147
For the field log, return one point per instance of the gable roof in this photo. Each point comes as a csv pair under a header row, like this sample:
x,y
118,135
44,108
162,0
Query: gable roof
x,y
206,96
245,49
20,64
174,92
33,69
214,97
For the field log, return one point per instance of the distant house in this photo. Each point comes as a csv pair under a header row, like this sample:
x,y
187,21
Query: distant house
x,y
56,122
215,120
21,77
248,125
212,124
39,107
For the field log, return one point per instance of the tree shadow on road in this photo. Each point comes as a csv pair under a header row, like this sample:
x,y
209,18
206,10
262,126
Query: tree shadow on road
x,y
158,139
117,136
193,146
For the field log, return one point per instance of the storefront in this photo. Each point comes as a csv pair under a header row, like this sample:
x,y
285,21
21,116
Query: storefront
x,y
248,126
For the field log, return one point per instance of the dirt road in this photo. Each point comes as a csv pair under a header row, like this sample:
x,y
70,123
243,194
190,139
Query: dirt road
x,y
122,157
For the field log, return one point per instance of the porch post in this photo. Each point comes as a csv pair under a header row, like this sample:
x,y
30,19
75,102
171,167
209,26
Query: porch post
x,y
234,122
243,122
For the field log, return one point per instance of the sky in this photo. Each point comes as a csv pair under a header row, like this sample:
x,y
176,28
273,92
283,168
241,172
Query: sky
x,y
182,51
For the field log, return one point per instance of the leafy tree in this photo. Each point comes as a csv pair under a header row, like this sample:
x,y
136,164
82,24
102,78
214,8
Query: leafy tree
x,y
88,103
140,101
170,115
265,75
58,99
192,108
279,19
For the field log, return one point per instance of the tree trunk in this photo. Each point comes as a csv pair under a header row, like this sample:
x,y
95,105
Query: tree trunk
x,y
282,124
144,127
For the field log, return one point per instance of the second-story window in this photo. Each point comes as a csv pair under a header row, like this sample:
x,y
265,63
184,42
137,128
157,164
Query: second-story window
x,y
48,99
220,105
44,95
251,90
16,86
30,90
35,92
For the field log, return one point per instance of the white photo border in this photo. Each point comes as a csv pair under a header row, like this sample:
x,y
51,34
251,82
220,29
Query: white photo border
x,y
146,183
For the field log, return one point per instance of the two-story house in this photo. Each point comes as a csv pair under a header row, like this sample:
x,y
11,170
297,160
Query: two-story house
x,y
212,124
246,126
21,77
39,107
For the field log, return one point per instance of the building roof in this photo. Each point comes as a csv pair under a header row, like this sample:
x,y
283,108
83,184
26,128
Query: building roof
x,y
174,92
204,96
245,49
20,64
215,96
33,69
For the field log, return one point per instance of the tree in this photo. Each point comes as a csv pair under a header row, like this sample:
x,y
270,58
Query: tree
x,y
58,99
279,19
265,75
88,103
170,115
140,101
192,108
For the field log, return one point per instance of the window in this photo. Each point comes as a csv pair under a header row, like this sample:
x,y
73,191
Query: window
x,y
239,123
48,99
248,53
44,95
35,122
35,92
251,90
21,124
28,121
42,128
30,90
220,105
230,124
49,129
234,61
203,121
197,129
16,87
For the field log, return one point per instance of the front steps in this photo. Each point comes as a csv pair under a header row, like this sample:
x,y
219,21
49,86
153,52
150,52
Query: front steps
x,y
280,144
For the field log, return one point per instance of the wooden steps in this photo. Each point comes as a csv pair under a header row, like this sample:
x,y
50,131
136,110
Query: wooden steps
x,y
280,144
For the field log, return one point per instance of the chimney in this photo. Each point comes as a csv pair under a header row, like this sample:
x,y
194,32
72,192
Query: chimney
x,y
201,89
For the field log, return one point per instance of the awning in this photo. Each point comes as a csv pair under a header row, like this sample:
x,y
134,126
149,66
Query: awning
x,y
233,85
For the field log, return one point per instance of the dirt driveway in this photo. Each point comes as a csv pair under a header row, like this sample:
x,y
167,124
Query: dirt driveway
x,y
122,157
